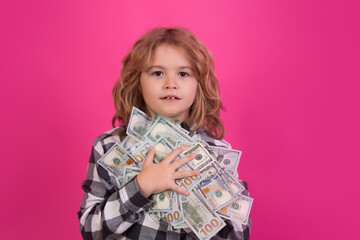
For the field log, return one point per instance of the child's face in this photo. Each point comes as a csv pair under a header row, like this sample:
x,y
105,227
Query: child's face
x,y
169,83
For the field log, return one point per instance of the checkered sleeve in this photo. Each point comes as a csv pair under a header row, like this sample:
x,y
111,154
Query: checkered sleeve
x,y
233,230
107,212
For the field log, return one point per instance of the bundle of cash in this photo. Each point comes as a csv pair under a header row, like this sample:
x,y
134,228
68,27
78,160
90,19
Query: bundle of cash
x,y
215,194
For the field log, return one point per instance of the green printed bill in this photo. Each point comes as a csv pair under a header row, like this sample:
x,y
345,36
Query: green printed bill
x,y
227,158
130,144
175,216
233,182
140,153
164,148
130,173
238,210
163,128
202,220
139,124
115,160
202,159
214,187
162,201
174,121
185,144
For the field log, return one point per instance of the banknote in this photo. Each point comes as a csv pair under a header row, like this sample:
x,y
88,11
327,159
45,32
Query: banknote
x,y
238,210
185,144
188,183
155,216
174,121
176,215
184,130
130,144
125,155
163,128
204,222
129,173
140,154
227,158
214,188
233,182
162,201
202,159
138,125
162,149
181,225
205,144
114,161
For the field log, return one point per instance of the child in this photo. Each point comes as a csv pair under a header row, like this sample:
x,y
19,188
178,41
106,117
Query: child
x,y
169,72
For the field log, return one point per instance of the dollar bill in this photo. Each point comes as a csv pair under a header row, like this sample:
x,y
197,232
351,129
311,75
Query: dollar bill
x,y
162,201
162,149
185,144
174,121
204,222
176,215
163,128
114,161
233,182
140,154
125,155
130,144
184,130
205,144
181,225
202,159
214,187
238,210
155,216
129,173
227,158
138,125
188,183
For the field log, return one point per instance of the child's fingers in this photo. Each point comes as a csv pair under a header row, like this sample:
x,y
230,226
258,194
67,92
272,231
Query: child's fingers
x,y
172,155
150,156
179,190
184,174
178,163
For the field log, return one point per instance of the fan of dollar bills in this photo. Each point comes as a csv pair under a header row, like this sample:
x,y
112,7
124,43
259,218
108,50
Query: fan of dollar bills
x,y
215,194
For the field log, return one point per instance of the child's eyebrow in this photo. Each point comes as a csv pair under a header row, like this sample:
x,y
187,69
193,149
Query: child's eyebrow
x,y
154,66
162,67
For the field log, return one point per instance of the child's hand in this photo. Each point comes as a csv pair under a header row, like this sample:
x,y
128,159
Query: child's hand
x,y
158,177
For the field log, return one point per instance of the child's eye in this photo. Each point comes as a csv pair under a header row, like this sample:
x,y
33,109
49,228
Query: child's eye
x,y
157,73
183,74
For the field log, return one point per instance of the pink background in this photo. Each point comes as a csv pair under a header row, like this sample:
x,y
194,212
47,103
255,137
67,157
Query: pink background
x,y
287,71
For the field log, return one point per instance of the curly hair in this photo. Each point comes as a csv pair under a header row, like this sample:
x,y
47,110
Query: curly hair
x,y
204,112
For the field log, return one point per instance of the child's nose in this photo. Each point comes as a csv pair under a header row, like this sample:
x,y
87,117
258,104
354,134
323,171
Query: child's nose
x,y
170,83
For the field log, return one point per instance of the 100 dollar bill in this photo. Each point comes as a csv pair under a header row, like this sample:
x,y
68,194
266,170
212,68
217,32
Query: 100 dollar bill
x,y
164,128
214,187
139,124
227,158
200,218
115,160
130,144
202,159
238,210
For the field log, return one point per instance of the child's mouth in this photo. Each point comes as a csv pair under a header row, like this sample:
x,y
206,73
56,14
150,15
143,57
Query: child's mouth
x,y
170,98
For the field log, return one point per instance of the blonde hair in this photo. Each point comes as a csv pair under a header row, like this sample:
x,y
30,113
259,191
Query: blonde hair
x,y
204,112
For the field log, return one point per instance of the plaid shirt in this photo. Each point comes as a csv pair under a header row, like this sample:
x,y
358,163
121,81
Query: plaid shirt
x,y
110,213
